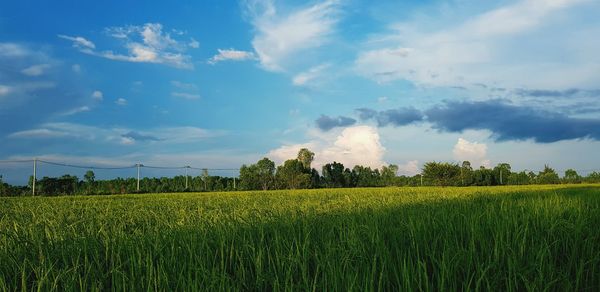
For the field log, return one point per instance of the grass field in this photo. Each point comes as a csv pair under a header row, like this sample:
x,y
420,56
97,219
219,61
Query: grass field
x,y
491,238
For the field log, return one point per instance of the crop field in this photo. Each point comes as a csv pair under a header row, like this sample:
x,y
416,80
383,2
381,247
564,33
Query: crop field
x,y
477,238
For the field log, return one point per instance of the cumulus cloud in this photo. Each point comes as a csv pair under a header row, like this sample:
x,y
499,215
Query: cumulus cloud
x,y
280,36
494,47
327,123
231,55
409,168
147,43
35,70
511,122
121,101
474,152
97,95
358,145
394,117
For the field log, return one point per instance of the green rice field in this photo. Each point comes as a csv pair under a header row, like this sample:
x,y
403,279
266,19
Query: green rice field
x,y
526,238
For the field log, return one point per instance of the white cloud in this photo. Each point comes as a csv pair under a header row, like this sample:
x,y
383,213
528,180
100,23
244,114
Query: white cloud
x,y
76,110
79,42
183,85
121,101
280,37
495,47
382,99
4,90
13,50
23,89
76,68
117,135
38,133
409,168
185,90
231,55
310,75
194,44
147,43
474,152
185,95
359,145
97,95
35,70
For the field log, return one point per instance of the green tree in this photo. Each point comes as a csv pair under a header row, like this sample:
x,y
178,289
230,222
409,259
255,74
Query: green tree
x,y
593,177
265,173
291,175
518,178
442,173
89,177
388,174
483,176
365,176
572,177
205,178
466,173
547,176
306,157
333,175
501,173
3,187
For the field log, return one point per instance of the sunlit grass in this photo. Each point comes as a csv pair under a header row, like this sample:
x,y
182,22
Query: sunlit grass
x,y
492,238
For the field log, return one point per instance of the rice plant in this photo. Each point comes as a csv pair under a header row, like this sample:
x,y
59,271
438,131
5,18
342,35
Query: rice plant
x,y
477,238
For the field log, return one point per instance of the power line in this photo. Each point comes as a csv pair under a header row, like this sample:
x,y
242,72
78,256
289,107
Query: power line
x,y
162,167
16,161
198,168
86,166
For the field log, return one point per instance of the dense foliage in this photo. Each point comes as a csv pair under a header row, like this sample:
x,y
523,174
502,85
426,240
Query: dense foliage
x,y
525,238
298,174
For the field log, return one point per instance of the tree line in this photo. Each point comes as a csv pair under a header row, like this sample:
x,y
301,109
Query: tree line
x,y
298,174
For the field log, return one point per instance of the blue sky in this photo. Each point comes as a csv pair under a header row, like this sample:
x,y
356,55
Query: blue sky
x,y
218,84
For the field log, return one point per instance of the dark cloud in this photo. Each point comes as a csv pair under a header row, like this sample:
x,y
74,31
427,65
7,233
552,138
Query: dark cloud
x,y
140,137
366,113
557,93
327,123
510,122
394,117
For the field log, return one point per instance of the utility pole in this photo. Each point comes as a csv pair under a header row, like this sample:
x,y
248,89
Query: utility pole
x,y
421,179
500,175
186,177
34,176
234,182
138,176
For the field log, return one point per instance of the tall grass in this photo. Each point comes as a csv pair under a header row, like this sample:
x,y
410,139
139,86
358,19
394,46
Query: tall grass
x,y
503,238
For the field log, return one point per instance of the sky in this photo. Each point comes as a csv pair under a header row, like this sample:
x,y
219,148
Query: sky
x,y
218,84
